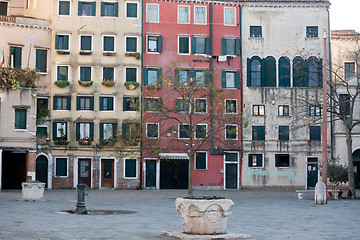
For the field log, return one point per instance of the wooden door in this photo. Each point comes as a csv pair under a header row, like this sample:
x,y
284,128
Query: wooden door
x,y
42,169
312,175
231,176
151,173
107,175
84,172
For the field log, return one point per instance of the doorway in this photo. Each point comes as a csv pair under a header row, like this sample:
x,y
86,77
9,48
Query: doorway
x,y
150,173
107,174
84,172
231,170
312,167
42,169
174,174
356,163
13,169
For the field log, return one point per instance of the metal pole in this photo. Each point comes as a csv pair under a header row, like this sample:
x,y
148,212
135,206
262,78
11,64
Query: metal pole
x,y
324,129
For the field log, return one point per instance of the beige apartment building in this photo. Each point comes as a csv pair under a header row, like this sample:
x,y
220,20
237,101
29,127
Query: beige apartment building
x,y
95,93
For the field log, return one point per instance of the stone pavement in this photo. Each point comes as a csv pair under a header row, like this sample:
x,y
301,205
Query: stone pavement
x,y
263,214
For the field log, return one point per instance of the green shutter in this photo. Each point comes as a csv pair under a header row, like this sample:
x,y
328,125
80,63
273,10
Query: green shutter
x,y
159,73
20,118
116,9
55,100
77,102
68,102
93,13
193,75
306,75
261,132
207,45
101,125
102,9
80,8
56,41
111,103
223,46
237,79
270,72
248,75
66,42
61,167
145,75
263,72
284,72
92,103
223,79
320,69
54,130
125,105
237,46
41,60
124,130
177,80
250,160
276,160
130,168
101,104
193,45
92,130
259,160
77,131
17,57
159,44
114,130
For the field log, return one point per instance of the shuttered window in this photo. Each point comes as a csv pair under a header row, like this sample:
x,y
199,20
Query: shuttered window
x,y
154,44
108,73
231,132
184,43
85,43
200,161
131,10
131,75
315,133
61,42
299,72
284,133
131,44
85,74
108,130
284,72
64,8
152,76
109,9
20,118
85,103
230,46
130,168
130,103
61,167
184,131
255,160
108,44
86,8
282,160
106,103
62,103
258,133
15,60
200,131
152,130
41,60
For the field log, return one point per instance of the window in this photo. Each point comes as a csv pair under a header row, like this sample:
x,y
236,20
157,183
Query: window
x,y
314,67
84,130
183,14
299,75
85,74
231,132
131,132
85,43
184,45
284,133
315,110
344,104
41,131
283,110
284,72
200,15
258,110
62,103
130,103
108,43
255,31
61,42
86,8
106,103
130,170
258,133
200,131
131,74
231,157
200,78
315,133
152,76
152,130
61,167
3,8
349,70
254,75
230,79
200,45
182,77
153,104
109,9
62,73
60,130
131,44
152,12
184,131
108,130
231,106
230,46
182,105
200,161
229,16
200,105
311,31
41,60
255,160
282,160
108,73
269,66
15,59
20,118
131,10
64,8
154,44
85,103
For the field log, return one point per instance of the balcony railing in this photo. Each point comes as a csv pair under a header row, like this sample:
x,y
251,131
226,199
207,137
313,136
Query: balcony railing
x,y
7,19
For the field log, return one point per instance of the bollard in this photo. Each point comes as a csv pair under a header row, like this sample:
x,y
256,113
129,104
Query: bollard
x,y
80,205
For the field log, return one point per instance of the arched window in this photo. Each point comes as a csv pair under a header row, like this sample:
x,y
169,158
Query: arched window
x,y
284,72
254,72
299,73
314,67
270,71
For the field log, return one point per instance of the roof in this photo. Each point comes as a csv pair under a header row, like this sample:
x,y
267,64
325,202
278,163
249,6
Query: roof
x,y
344,33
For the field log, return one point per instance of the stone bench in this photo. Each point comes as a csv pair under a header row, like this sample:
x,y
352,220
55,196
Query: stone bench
x,y
301,193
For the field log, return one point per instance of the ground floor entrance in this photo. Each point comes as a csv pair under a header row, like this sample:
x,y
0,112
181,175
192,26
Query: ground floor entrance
x,y
356,163
107,173
84,171
231,170
312,166
13,169
41,173
174,174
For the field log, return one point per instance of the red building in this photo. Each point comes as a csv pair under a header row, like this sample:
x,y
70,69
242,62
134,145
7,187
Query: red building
x,y
202,38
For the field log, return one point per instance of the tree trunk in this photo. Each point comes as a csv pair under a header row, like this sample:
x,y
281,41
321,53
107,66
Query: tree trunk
x,y
351,182
191,161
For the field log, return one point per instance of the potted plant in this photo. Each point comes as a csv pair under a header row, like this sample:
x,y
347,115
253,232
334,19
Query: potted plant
x,y
43,112
136,55
85,141
61,83
337,174
108,82
61,52
130,85
108,54
85,83
62,140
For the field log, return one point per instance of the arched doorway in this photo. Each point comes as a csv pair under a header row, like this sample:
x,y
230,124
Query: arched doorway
x,y
42,169
356,162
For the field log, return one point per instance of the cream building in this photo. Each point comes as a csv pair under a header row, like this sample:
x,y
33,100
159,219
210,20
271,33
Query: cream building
x,y
283,54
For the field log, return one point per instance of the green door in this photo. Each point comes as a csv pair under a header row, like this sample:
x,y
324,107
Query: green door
x,y
42,169
312,175
151,173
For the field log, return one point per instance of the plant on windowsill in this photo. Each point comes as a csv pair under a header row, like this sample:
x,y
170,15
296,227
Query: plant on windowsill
x,y
106,142
85,83
108,82
12,78
130,85
130,54
62,52
43,113
85,141
61,83
62,140
109,54
85,52
153,87
133,141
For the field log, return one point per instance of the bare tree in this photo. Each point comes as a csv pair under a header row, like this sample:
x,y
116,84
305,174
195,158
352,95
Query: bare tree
x,y
190,113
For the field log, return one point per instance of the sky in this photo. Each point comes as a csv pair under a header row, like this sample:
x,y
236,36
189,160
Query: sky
x,y
345,14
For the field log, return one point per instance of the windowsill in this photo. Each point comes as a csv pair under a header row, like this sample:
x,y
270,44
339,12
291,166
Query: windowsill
x,y
108,53
152,137
229,25
61,110
42,73
109,16
200,112
83,52
200,169
184,54
68,15
261,167
86,16
284,167
106,110
231,139
256,38
152,21
258,115
130,178
283,116
20,130
152,52
61,176
231,113
183,23
200,23
132,18
63,52
309,38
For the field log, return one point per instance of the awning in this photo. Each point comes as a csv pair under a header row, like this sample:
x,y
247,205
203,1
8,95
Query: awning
x,y
180,156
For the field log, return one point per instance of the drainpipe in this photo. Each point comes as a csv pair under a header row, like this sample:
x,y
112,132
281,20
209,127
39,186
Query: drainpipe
x,y
241,94
324,118
332,138
142,96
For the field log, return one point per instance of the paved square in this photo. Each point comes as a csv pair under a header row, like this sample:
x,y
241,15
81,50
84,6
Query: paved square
x,y
263,214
